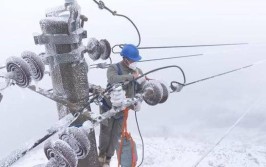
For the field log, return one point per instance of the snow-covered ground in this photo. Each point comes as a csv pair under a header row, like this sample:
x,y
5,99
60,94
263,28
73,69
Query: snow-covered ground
x,y
184,152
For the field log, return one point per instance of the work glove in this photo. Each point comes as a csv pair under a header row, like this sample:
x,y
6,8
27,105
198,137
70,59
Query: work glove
x,y
141,80
118,96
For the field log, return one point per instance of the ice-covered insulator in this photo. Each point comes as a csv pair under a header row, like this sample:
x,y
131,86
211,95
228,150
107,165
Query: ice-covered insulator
x,y
69,1
165,93
52,163
35,63
61,152
106,49
77,140
94,49
153,92
19,70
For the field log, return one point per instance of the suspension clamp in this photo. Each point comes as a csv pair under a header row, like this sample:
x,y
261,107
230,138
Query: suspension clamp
x,y
176,86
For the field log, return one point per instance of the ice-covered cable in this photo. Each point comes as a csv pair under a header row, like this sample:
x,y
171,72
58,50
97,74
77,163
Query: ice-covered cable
x,y
189,46
168,58
102,6
225,73
142,141
249,109
106,65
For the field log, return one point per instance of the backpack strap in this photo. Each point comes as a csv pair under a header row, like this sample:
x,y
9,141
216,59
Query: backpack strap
x,y
119,70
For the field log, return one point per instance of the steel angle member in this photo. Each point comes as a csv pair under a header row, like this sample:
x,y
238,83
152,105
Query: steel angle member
x,y
60,38
113,111
74,18
100,118
55,98
2,67
60,125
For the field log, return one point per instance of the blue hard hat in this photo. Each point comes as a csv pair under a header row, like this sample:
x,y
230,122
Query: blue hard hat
x,y
130,52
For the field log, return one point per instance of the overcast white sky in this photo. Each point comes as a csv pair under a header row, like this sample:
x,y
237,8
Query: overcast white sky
x,y
213,104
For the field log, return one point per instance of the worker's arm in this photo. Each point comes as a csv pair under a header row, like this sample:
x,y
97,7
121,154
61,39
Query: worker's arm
x,y
113,77
141,81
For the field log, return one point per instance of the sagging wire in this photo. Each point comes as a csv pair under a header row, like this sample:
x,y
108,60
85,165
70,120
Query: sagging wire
x,y
142,141
162,68
227,132
101,5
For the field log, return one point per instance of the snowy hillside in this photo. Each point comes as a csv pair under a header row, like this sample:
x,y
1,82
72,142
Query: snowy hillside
x,y
183,152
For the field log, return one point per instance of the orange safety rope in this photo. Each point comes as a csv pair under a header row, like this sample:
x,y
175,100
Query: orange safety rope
x,y
126,135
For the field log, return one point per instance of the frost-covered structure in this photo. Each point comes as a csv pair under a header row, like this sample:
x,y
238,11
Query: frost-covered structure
x,y
62,35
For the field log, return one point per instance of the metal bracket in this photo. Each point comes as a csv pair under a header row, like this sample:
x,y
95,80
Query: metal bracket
x,y
75,37
58,99
74,56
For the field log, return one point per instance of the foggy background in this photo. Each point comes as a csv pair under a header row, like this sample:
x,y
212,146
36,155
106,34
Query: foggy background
x,y
201,111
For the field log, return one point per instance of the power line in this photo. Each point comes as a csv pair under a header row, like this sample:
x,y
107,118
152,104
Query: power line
x,y
114,13
168,58
190,46
106,65
225,73
227,132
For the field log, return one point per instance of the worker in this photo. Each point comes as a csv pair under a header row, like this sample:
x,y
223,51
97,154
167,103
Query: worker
x,y
126,70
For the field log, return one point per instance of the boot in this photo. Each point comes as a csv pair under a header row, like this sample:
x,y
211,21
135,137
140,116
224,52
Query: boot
x,y
101,159
107,162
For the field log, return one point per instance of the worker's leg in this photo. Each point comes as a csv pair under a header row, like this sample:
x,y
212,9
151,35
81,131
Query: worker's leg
x,y
115,136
